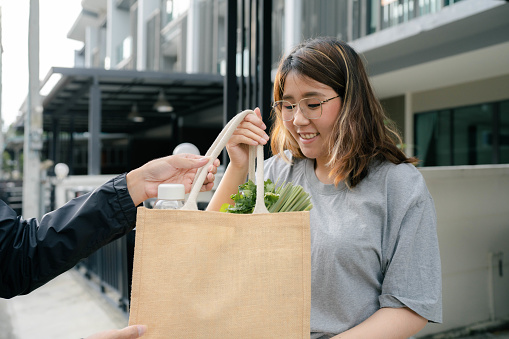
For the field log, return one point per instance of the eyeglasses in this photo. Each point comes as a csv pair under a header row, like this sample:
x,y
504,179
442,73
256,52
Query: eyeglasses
x,y
311,108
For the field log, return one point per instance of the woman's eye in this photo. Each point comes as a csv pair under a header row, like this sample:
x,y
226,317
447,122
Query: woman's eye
x,y
313,106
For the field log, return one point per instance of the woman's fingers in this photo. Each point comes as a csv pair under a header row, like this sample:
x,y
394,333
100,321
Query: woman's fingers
x,y
251,131
255,119
209,183
259,114
248,137
213,167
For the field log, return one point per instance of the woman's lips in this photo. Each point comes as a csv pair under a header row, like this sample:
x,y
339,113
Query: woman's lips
x,y
308,137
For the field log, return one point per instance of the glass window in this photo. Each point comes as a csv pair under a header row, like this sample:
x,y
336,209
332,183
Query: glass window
x,y
175,8
433,138
425,146
473,135
373,10
325,18
444,139
504,132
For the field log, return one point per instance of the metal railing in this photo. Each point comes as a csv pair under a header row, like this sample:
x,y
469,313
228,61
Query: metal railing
x,y
11,192
110,268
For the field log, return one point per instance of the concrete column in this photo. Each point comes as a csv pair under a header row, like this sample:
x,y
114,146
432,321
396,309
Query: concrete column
x,y
109,34
117,30
33,122
293,27
409,126
94,128
193,37
91,42
55,145
145,10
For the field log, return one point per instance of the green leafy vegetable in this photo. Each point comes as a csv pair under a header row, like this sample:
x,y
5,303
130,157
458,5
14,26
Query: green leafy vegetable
x,y
287,198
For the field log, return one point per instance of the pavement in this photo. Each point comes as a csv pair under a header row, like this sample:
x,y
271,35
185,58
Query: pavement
x,y
70,306
66,307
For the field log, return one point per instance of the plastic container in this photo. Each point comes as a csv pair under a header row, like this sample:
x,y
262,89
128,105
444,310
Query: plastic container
x,y
170,197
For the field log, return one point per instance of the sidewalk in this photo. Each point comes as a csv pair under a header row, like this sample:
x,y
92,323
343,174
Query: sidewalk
x,y
66,307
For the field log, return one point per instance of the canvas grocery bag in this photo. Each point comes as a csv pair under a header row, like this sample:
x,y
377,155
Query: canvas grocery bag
x,y
204,274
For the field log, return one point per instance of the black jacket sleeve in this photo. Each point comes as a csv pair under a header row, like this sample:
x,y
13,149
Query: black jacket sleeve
x,y
32,253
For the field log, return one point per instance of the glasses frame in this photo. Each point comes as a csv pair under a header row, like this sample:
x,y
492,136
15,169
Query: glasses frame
x,y
298,104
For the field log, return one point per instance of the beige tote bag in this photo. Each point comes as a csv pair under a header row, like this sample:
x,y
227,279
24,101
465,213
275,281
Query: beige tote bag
x,y
204,274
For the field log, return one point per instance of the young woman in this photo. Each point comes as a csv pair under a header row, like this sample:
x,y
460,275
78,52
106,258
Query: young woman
x,y
375,264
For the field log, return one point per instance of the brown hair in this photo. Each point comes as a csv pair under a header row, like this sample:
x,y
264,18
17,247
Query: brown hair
x,y
361,132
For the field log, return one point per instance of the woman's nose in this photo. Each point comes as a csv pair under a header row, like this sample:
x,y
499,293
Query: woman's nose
x,y
299,119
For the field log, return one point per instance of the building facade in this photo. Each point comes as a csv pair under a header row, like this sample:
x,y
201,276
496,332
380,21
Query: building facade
x,y
439,67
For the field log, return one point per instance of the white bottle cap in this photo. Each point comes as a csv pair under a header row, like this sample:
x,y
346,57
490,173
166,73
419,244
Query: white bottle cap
x,y
171,192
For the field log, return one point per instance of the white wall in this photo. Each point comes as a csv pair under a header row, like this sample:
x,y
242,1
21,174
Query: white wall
x,y
118,28
146,9
472,204
472,93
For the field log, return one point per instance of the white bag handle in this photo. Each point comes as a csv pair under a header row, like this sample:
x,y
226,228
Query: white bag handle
x,y
213,153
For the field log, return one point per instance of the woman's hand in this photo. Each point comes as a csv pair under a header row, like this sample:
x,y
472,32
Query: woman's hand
x,y
142,182
251,131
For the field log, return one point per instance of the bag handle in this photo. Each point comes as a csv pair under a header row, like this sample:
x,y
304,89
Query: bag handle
x,y
255,152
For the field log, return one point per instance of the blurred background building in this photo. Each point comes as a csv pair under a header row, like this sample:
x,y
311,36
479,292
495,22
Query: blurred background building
x,y
154,73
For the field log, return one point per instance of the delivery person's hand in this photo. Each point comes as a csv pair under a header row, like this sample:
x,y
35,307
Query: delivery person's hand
x,y
142,182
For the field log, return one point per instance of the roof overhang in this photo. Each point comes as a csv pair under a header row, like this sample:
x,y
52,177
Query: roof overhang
x,y
85,19
67,102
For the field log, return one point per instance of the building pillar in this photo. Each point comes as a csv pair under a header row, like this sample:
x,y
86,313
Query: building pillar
x,y
293,20
193,38
117,30
91,42
409,126
33,123
146,9
94,128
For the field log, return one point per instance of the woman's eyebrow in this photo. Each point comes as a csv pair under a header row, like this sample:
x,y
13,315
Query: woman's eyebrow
x,y
304,95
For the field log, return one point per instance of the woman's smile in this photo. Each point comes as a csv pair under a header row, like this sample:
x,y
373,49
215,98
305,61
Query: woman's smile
x,y
312,135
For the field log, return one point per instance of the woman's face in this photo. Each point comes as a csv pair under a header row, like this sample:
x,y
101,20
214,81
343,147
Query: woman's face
x,y
312,135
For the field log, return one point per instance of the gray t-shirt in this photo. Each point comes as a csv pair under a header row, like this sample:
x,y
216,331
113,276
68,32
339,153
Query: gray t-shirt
x,y
372,246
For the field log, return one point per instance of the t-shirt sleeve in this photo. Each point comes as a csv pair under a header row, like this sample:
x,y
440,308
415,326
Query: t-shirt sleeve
x,y
411,258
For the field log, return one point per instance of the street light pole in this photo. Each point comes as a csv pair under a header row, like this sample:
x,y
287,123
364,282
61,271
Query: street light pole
x,y
33,122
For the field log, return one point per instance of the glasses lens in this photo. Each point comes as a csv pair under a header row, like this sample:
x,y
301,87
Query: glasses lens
x,y
311,107
286,108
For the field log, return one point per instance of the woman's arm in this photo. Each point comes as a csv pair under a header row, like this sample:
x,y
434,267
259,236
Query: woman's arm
x,y
232,178
387,323
251,131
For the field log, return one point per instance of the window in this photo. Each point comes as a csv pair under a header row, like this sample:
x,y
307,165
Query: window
x,y
175,8
471,135
325,18
504,132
